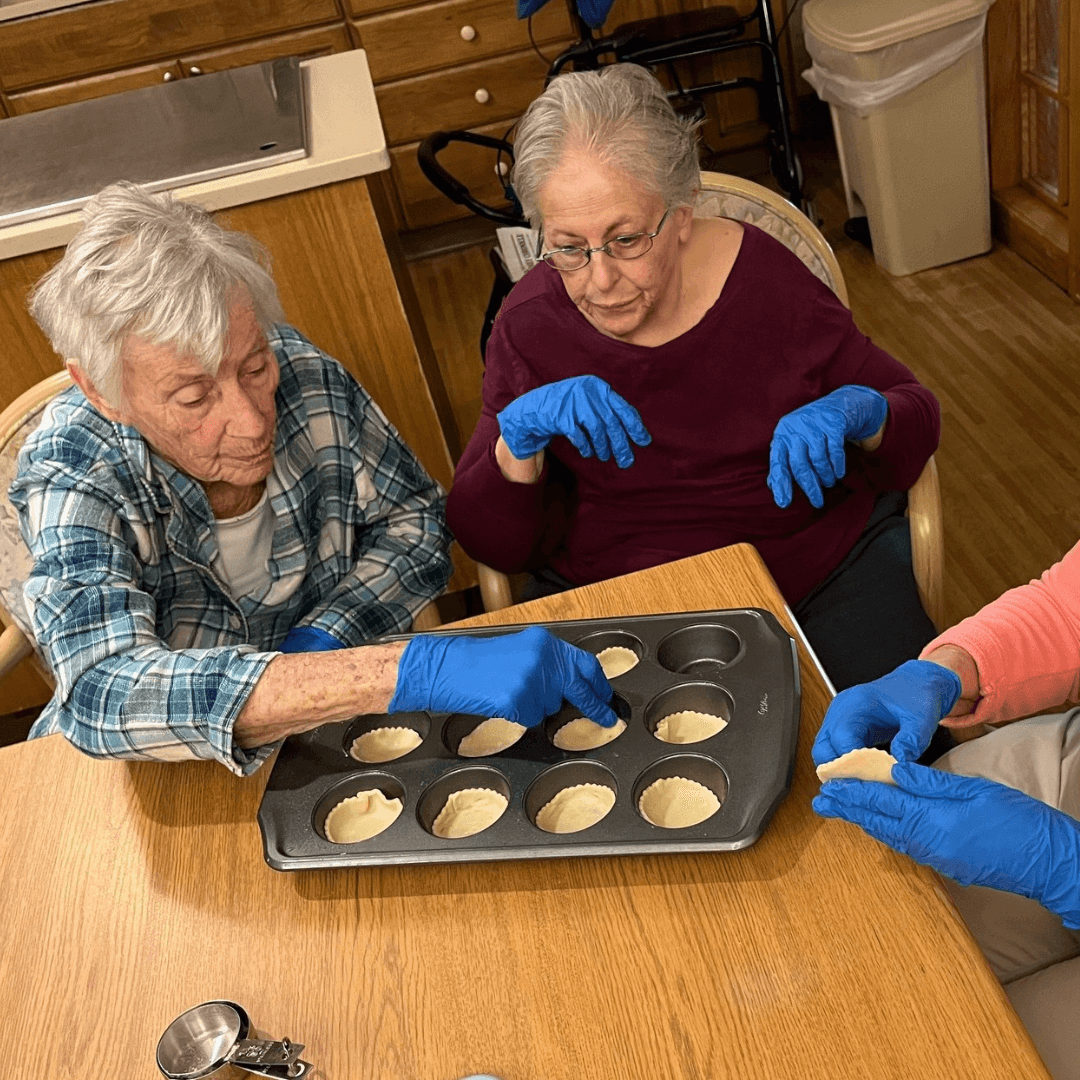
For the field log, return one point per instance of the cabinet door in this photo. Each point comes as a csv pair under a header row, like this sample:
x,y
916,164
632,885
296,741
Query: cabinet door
x,y
442,35
95,86
94,38
306,44
464,97
474,166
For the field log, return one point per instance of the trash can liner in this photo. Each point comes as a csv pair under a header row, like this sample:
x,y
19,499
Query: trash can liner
x,y
902,66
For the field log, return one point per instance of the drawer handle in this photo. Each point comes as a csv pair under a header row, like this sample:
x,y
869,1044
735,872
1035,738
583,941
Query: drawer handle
x,y
482,96
468,33
502,169
168,76
193,70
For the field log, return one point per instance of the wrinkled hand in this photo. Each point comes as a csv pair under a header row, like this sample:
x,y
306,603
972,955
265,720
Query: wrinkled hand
x,y
972,830
523,677
309,639
905,706
808,444
585,410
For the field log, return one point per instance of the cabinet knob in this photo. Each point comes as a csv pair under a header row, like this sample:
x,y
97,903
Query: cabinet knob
x,y
502,169
193,70
482,96
468,33
168,76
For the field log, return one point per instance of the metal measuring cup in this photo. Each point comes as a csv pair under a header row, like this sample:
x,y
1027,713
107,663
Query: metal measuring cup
x,y
216,1039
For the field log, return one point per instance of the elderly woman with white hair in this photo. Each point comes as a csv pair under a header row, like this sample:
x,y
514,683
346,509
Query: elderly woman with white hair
x,y
730,387
221,518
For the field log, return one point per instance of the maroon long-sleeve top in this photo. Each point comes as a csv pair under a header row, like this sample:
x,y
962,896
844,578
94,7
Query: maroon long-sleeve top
x,y
775,339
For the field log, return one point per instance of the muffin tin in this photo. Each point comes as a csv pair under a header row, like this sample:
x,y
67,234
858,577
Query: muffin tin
x,y
739,664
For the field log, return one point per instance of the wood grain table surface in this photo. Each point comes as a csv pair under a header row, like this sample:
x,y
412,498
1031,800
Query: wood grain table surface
x,y
134,890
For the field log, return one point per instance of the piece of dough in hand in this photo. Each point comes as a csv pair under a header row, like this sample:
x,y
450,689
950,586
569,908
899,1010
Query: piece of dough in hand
x,y
862,763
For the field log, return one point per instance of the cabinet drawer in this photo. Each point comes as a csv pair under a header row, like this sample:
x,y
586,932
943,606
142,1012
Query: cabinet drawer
x,y
306,44
464,97
455,32
474,166
93,38
96,86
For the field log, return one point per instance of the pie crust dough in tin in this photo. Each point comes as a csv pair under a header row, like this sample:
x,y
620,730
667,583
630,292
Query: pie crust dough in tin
x,y
737,667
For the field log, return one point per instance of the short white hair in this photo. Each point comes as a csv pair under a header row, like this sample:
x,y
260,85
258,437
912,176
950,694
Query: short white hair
x,y
151,265
622,116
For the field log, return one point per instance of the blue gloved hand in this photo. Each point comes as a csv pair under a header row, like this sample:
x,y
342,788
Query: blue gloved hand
x,y
972,830
808,444
584,409
309,639
904,706
523,677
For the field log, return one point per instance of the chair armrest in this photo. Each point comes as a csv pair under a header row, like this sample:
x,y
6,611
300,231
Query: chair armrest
x,y
494,588
427,618
928,543
14,648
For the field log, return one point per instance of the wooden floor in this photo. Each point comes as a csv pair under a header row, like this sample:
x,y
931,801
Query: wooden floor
x,y
996,341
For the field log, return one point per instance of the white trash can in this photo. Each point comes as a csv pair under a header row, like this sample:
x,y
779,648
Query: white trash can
x,y
905,85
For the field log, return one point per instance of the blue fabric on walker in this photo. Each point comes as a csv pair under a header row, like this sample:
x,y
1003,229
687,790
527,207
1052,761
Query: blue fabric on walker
x,y
594,12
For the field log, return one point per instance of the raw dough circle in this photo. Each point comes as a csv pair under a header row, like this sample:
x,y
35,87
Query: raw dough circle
x,y
617,660
677,803
490,737
576,808
862,763
583,734
360,817
469,811
384,744
689,727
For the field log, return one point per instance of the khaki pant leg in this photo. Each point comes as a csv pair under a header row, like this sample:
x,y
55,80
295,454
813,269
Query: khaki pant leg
x,y
1040,757
1048,1002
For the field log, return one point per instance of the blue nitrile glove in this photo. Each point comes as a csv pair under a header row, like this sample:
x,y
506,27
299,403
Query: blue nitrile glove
x,y
584,409
972,830
522,677
905,706
309,639
808,444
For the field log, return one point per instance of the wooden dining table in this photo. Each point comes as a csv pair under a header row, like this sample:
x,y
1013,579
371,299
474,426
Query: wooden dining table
x,y
134,890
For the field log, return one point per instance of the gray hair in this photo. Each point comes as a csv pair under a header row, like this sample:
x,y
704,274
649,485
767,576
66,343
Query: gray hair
x,y
151,265
622,115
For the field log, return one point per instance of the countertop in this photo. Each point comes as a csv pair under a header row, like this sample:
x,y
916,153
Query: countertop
x,y
346,141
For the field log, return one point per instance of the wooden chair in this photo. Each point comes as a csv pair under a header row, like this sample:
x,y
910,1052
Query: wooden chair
x,y
733,197
17,421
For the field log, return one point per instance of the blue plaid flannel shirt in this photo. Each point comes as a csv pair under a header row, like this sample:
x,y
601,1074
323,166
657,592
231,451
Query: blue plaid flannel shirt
x,y
153,656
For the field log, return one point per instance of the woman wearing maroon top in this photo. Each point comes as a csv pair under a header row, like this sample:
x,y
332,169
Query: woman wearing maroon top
x,y
662,385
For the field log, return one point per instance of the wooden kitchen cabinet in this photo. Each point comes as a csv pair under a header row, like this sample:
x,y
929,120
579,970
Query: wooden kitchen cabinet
x,y
305,44
95,86
111,34
455,32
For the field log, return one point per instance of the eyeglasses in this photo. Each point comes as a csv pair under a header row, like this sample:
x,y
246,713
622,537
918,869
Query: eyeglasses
x,y
632,246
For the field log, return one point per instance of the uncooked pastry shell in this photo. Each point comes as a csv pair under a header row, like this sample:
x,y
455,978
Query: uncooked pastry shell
x,y
617,660
384,744
491,736
468,812
689,726
360,817
677,803
576,808
583,734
